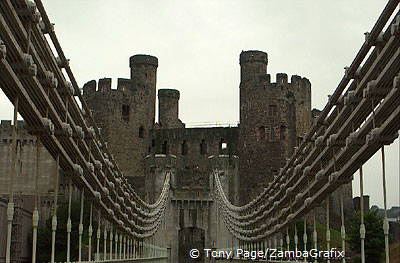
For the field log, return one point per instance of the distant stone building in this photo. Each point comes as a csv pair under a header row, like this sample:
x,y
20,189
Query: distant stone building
x,y
357,203
274,117
24,189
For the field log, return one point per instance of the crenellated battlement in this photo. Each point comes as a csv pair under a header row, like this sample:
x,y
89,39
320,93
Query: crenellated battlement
x,y
282,79
274,115
23,135
104,86
8,123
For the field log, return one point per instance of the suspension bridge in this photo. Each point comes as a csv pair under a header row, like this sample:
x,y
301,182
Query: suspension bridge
x,y
361,117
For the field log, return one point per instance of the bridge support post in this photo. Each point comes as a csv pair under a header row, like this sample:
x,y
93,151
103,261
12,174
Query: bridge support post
x,y
342,228
116,245
385,219
305,236
10,216
287,239
296,238
328,231
35,214
69,224
124,240
133,248
362,226
54,217
111,242
315,237
98,237
90,232
10,206
81,225
120,246
105,241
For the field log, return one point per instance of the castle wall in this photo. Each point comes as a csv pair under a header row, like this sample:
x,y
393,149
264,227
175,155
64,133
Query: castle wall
x,y
192,147
24,182
191,221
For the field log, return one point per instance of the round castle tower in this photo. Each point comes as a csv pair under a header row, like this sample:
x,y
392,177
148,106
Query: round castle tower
x,y
253,63
269,115
126,114
144,73
168,109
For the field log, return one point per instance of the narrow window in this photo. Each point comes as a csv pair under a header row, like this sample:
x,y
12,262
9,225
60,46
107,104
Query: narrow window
x,y
222,146
164,148
184,148
273,110
125,112
272,134
181,218
282,132
203,147
153,143
141,132
193,216
261,133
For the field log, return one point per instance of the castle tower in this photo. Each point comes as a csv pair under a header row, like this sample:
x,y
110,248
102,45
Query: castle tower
x,y
267,122
144,74
168,109
253,64
227,168
156,166
126,115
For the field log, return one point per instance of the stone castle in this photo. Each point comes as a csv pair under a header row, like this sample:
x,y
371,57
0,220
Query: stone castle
x,y
274,117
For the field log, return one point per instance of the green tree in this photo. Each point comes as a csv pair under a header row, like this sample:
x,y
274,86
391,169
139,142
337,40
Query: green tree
x,y
374,237
44,233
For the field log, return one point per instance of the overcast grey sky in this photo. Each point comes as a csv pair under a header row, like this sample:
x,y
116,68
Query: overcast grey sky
x,y
198,45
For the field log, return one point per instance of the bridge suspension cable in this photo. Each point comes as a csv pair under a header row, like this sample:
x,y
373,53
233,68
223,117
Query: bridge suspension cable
x,y
360,118
33,79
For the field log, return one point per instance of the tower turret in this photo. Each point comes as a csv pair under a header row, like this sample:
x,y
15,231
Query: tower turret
x,y
253,63
144,75
268,113
168,109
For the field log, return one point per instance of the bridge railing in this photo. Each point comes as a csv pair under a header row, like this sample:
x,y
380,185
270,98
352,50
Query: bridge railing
x,y
361,118
121,225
